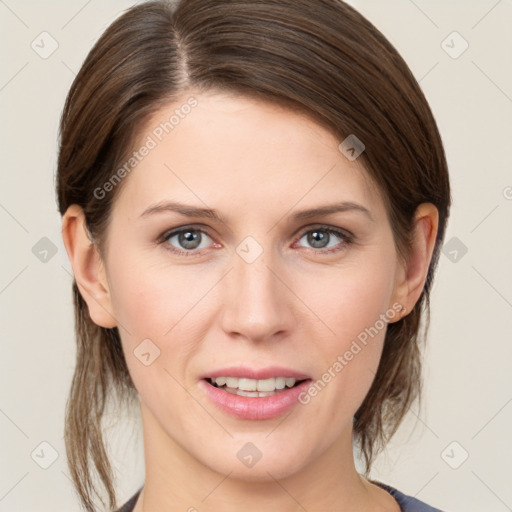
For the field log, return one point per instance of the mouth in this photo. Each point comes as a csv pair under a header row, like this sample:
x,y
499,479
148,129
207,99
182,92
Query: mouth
x,y
250,394
254,388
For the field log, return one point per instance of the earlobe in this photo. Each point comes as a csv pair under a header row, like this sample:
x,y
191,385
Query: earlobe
x,y
88,267
413,275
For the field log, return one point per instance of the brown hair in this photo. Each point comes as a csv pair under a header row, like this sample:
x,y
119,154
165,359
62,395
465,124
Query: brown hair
x,y
327,61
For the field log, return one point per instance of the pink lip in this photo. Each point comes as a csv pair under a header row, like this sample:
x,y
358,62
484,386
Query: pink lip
x,y
252,373
254,408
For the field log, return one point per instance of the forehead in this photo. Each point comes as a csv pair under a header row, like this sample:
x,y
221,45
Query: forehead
x,y
230,151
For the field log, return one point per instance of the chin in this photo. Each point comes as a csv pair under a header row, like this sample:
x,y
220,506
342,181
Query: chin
x,y
250,464
264,472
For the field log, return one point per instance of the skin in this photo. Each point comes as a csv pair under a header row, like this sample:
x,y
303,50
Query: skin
x,y
296,305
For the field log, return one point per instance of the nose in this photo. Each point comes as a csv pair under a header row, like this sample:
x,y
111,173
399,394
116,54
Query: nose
x,y
258,304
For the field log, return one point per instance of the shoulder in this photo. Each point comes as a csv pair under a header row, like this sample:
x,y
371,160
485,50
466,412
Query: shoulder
x,y
407,503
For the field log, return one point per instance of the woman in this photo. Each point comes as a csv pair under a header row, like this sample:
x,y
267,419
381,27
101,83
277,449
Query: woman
x,y
254,196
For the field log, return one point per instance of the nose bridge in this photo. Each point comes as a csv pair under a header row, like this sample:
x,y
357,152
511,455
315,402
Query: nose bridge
x,y
256,306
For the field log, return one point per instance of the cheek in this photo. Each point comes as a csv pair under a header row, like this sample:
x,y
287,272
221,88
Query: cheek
x,y
159,308
354,303
350,300
152,306
150,300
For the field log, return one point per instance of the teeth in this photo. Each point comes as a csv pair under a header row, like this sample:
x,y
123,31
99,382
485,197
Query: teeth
x,y
280,383
231,382
264,385
252,394
220,381
249,385
290,382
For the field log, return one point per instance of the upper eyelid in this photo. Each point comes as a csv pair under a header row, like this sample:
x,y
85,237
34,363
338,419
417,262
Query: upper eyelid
x,y
205,229
325,227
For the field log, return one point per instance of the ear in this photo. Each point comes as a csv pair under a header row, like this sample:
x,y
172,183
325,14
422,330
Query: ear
x,y
411,276
88,267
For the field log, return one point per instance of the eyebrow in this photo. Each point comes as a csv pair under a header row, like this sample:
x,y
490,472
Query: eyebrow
x,y
208,213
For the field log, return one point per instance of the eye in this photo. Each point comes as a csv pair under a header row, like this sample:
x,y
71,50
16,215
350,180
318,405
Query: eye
x,y
189,240
186,240
324,237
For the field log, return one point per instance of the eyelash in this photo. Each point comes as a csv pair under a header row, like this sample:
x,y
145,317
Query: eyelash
x,y
346,237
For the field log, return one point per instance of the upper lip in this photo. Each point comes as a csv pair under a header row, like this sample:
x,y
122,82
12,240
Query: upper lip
x,y
256,373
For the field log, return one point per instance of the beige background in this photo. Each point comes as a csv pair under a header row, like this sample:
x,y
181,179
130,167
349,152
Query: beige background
x,y
468,392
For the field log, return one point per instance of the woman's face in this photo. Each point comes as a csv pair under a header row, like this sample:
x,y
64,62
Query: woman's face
x,y
260,290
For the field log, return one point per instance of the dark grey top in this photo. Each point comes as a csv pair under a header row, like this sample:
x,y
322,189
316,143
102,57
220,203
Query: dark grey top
x,y
407,503
129,505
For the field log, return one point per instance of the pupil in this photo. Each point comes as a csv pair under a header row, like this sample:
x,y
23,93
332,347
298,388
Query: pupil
x,y
188,239
317,239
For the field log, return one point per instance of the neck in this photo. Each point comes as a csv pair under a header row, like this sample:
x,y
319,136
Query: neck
x,y
177,481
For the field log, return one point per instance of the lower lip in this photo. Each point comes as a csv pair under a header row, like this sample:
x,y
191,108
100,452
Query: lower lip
x,y
255,408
